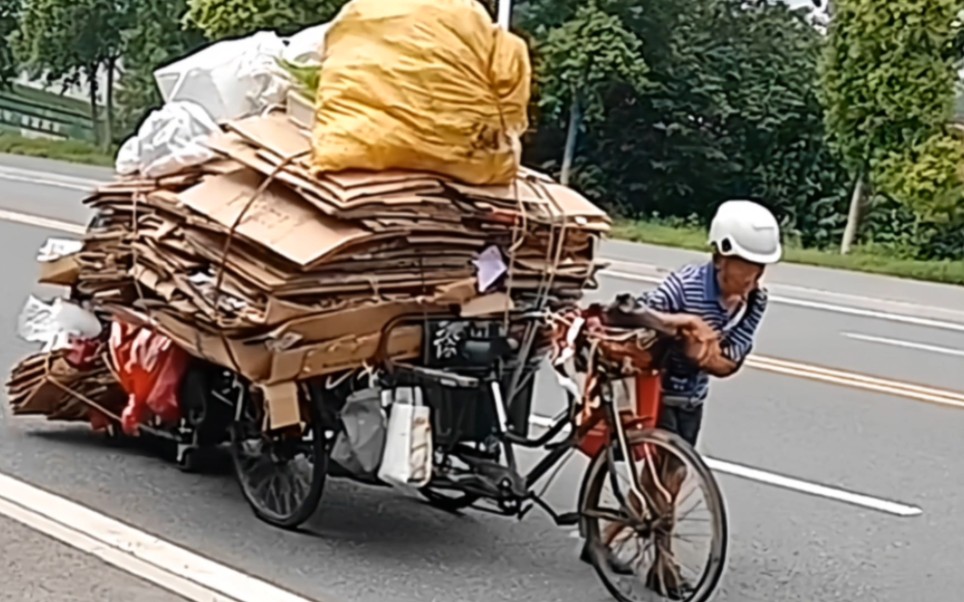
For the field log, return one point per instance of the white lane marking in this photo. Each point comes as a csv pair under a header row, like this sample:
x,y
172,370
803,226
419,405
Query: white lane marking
x,y
901,343
763,363
87,185
793,484
171,567
41,222
904,307
112,556
840,309
815,489
30,176
858,381
77,184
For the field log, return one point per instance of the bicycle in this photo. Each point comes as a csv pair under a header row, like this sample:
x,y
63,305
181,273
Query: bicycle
x,y
480,398
479,388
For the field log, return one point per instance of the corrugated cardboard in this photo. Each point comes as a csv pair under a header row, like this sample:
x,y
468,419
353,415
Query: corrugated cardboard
x,y
343,354
282,399
62,271
271,216
316,267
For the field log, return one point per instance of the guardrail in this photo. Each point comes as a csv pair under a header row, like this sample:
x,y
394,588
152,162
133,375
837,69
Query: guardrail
x,y
32,115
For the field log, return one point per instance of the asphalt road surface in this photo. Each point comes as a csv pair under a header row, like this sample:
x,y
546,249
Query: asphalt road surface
x,y
859,389
37,568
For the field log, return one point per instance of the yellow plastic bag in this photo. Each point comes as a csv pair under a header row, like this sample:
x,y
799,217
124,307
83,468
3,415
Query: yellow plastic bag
x,y
427,85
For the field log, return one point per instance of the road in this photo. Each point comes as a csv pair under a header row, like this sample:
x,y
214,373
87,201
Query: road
x,y
858,388
37,568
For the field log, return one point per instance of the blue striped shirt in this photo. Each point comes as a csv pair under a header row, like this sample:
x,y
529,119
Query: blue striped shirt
x,y
695,289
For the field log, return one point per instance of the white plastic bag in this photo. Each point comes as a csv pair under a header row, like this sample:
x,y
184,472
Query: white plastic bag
x,y
407,460
170,139
230,79
55,324
58,248
306,46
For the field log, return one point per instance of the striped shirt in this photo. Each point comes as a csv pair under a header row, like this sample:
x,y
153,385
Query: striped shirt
x,y
695,289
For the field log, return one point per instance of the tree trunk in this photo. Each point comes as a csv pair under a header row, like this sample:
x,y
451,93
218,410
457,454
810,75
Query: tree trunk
x,y
109,132
94,109
572,136
853,216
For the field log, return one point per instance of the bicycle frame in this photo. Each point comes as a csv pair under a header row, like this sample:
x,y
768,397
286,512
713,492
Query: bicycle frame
x,y
606,413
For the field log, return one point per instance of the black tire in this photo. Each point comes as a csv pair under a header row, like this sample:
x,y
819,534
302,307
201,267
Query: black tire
x,y
454,503
114,435
304,508
597,475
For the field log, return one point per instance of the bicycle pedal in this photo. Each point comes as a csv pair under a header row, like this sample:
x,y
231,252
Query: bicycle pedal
x,y
568,519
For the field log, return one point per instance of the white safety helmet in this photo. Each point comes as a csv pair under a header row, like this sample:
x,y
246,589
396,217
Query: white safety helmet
x,y
747,230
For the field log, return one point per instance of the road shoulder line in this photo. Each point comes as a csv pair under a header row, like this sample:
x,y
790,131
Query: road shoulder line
x,y
143,555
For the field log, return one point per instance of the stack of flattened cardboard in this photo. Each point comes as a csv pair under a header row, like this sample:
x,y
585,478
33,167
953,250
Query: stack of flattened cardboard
x,y
250,262
47,384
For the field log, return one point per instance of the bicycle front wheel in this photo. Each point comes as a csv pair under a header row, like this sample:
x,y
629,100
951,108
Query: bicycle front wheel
x,y
637,542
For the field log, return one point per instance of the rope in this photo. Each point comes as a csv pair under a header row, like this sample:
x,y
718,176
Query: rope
x,y
219,278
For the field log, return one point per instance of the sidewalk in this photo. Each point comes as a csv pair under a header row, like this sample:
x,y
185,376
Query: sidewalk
x,y
36,568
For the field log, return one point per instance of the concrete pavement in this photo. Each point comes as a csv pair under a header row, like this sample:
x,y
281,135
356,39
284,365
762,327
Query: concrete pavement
x,y
371,545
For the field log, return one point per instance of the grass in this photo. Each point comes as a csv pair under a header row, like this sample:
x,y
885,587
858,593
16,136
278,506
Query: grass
x,y
860,260
73,151
685,237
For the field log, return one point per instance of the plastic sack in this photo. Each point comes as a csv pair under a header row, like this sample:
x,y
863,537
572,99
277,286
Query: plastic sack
x,y
359,447
407,460
57,324
150,368
425,85
170,139
58,248
229,79
306,46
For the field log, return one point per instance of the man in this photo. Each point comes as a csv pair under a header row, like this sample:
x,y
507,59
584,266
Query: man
x,y
723,300
717,307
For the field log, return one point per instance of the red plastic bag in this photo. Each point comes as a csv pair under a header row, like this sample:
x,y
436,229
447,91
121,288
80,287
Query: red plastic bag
x,y
83,352
150,368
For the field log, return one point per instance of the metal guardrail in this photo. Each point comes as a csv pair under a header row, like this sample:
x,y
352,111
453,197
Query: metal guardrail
x,y
29,115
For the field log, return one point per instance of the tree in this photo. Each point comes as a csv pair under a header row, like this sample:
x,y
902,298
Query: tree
x,y
219,19
579,62
730,109
70,41
927,178
154,39
775,122
9,21
888,80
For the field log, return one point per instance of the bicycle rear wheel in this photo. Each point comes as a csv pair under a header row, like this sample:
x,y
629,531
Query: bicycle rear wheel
x,y
671,472
282,476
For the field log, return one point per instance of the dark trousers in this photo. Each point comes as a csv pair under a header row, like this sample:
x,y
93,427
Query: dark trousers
x,y
684,421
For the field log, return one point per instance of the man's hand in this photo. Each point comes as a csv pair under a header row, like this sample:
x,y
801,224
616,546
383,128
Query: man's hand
x,y
695,328
696,351
700,341
699,346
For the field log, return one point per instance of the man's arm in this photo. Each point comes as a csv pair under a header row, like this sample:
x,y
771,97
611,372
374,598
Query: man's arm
x,y
728,358
665,305
718,365
667,298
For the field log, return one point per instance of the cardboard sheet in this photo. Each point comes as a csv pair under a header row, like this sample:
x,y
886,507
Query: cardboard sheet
x,y
316,266
271,216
